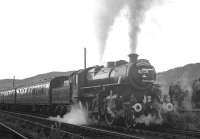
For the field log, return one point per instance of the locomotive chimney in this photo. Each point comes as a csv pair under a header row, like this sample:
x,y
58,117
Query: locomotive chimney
x,y
110,64
133,57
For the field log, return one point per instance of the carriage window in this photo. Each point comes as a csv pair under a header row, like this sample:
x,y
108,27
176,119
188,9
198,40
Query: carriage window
x,y
25,90
46,85
36,91
42,91
28,90
33,91
57,83
66,83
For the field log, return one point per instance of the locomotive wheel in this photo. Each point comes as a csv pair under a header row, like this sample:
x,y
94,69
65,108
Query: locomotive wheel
x,y
109,118
128,118
95,115
110,114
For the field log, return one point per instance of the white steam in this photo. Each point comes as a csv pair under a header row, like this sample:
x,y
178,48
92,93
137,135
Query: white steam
x,y
107,12
118,36
149,119
186,87
77,116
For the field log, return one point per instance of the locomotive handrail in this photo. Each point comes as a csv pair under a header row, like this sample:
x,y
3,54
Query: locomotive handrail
x,y
106,85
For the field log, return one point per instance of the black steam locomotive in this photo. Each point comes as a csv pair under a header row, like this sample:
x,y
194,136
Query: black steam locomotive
x,y
121,90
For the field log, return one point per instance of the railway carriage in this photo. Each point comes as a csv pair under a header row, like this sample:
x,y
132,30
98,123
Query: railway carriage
x,y
34,94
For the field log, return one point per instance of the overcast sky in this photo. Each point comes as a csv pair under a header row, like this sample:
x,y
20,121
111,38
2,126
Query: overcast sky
x,y
47,35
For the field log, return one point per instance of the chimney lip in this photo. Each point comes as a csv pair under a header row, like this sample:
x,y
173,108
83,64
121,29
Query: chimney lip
x,y
133,57
133,54
110,64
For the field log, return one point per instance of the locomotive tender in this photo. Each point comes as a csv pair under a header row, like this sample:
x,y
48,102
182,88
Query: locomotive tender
x,y
120,90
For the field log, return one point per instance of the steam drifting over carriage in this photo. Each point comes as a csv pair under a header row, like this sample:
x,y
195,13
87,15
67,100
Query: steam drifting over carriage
x,y
121,90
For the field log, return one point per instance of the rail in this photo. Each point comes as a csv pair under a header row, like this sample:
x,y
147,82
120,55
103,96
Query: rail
x,y
12,132
67,130
88,132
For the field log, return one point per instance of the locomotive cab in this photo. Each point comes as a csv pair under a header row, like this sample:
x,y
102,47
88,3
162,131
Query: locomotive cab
x,y
60,91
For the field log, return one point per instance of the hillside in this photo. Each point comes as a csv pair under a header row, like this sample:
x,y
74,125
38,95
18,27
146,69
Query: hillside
x,y
185,75
8,83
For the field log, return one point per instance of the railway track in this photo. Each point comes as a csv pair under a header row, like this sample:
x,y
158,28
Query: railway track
x,y
64,130
161,133
89,132
9,133
173,133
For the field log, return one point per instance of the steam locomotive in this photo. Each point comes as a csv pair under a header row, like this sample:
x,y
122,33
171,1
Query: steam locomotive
x,y
121,90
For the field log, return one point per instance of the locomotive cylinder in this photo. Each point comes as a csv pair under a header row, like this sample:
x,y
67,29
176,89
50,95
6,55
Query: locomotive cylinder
x,y
133,57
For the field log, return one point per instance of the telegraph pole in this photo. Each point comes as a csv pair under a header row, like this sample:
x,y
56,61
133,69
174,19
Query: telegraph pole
x,y
14,89
13,82
85,55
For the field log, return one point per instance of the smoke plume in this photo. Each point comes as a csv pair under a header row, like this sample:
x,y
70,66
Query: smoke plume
x,y
77,116
137,11
109,9
186,87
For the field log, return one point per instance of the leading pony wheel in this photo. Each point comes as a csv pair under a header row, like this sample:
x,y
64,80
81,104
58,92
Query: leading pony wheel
x,y
110,114
129,118
109,119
